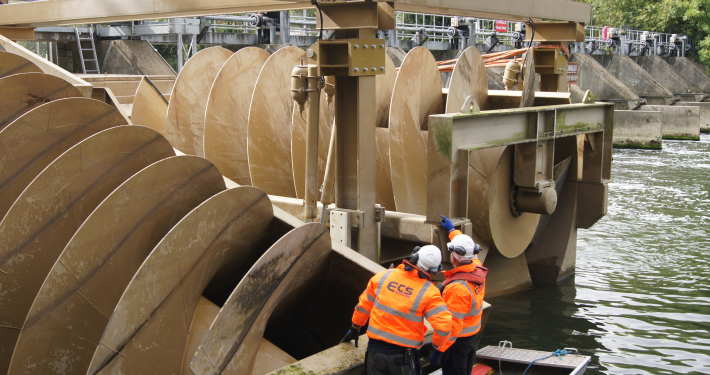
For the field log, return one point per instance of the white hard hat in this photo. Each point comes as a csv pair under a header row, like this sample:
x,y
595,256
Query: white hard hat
x,y
463,248
428,258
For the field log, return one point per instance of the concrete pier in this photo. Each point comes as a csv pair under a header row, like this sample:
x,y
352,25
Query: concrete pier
x,y
704,114
691,72
495,78
636,79
606,88
679,122
638,129
670,79
133,57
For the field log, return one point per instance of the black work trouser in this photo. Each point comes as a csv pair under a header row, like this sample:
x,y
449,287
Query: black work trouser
x,y
390,364
460,357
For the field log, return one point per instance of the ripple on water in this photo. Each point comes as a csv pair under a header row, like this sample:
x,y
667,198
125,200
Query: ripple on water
x,y
640,299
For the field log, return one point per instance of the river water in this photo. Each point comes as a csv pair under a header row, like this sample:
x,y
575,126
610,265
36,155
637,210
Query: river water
x,y
640,300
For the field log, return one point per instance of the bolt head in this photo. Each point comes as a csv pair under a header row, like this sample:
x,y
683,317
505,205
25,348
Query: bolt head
x,y
356,70
373,46
382,46
364,69
374,69
382,68
356,46
311,53
364,46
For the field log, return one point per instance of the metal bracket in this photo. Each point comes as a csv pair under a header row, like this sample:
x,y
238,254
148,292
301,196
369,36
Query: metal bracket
x,y
379,214
588,97
348,57
470,105
341,223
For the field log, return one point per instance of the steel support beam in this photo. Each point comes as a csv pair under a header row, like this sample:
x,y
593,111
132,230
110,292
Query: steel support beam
x,y
452,136
68,12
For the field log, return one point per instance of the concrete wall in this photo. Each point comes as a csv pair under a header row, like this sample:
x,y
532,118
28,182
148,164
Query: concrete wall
x,y
636,79
638,129
679,122
131,57
666,76
593,76
576,94
691,72
495,78
704,114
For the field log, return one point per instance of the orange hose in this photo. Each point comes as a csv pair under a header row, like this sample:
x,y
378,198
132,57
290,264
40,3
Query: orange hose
x,y
499,59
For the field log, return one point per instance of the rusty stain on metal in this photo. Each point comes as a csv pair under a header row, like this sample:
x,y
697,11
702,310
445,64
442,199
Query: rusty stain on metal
x,y
21,92
230,344
47,214
215,243
39,136
89,277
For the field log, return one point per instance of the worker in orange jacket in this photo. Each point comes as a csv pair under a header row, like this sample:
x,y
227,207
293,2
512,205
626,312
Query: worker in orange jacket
x,y
396,302
463,291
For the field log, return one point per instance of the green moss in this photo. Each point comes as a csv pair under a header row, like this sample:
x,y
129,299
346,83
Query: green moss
x,y
676,138
705,130
443,134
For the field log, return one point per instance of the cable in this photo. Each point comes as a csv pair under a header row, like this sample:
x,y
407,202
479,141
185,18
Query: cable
x,y
559,353
532,37
315,2
532,26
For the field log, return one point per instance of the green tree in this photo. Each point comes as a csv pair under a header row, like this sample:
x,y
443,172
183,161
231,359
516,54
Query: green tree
x,y
687,17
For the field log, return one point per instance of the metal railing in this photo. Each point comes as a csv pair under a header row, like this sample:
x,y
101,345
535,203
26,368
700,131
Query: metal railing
x,y
621,41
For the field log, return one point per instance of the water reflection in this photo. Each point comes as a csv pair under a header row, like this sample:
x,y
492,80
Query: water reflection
x,y
640,301
543,319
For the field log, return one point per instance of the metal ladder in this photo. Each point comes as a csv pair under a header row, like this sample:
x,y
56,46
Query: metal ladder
x,y
93,59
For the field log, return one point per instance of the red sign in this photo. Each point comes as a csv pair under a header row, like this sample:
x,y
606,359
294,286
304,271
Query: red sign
x,y
501,26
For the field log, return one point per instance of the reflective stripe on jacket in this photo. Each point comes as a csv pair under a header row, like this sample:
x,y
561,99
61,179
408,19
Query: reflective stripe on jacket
x,y
397,302
465,301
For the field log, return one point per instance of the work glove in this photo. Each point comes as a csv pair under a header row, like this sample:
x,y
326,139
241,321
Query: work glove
x,y
353,334
447,224
435,358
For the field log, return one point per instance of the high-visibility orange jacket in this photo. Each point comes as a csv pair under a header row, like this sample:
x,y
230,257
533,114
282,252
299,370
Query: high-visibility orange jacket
x,y
465,301
397,302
